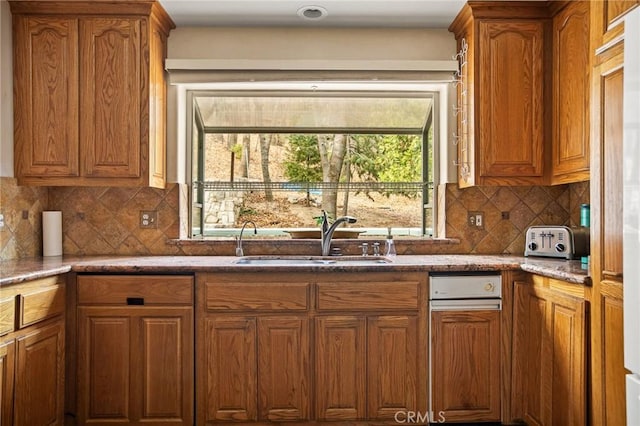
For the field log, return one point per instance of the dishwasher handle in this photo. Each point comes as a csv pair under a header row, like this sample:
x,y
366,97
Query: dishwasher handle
x,y
466,305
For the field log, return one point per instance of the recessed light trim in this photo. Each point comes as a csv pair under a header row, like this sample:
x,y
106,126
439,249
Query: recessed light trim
x,y
312,13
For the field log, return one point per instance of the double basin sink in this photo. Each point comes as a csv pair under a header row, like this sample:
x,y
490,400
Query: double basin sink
x,y
312,260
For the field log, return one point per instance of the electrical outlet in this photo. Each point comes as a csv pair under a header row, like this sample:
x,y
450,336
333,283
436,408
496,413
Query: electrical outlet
x,y
476,219
148,219
1,220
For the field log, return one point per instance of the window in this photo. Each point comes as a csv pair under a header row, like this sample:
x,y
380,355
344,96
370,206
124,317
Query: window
x,y
279,157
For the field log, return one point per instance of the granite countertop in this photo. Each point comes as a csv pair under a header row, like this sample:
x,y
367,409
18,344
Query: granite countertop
x,y
17,271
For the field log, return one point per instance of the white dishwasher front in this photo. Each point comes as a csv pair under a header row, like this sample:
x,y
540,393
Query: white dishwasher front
x,y
464,346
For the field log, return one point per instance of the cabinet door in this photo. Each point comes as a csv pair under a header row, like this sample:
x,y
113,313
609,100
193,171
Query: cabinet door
x,y
46,96
466,365
283,368
7,369
39,377
341,368
164,372
608,20
529,319
571,84
105,370
135,365
550,345
111,97
607,362
392,365
567,369
230,392
510,106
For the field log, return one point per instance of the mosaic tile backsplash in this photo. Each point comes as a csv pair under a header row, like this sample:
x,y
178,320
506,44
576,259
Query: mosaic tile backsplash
x,y
21,207
508,212
105,220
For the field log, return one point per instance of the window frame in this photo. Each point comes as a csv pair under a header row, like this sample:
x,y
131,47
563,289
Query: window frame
x,y
437,93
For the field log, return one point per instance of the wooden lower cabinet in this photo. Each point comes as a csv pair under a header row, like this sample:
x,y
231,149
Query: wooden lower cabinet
x,y
283,368
366,367
135,362
32,353
466,365
392,366
135,365
39,376
230,360
341,361
259,369
32,376
7,371
310,347
549,353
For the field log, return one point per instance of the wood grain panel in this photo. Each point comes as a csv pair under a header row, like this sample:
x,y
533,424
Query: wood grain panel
x,y
571,86
41,304
154,289
46,96
347,295
7,371
231,388
340,368
615,10
104,364
157,109
111,97
283,368
612,355
167,364
257,297
568,362
466,365
612,96
392,365
39,379
511,87
536,406
7,315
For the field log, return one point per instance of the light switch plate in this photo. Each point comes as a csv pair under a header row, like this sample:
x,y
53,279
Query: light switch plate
x,y
1,220
476,220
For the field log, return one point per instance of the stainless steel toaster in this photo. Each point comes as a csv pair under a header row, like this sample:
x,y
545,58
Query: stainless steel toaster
x,y
557,241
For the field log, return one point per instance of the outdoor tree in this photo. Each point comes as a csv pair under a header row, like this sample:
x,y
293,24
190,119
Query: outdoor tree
x,y
303,161
265,145
332,151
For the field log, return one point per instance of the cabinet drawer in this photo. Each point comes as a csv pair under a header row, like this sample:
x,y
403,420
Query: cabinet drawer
x,y
340,296
39,305
135,289
7,315
257,297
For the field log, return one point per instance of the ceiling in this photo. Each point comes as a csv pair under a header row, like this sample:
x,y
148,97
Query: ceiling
x,y
332,13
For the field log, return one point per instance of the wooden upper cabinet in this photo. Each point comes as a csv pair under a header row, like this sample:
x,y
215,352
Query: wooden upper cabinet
x,y
571,85
46,97
510,104
607,21
501,113
92,72
111,69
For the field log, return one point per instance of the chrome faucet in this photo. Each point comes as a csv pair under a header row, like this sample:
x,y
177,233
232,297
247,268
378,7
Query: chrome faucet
x,y
327,231
239,251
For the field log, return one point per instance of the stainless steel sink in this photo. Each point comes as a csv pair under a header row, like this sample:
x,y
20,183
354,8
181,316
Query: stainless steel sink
x,y
312,260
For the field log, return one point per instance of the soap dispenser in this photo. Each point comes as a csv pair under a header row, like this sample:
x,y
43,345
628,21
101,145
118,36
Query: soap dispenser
x,y
389,246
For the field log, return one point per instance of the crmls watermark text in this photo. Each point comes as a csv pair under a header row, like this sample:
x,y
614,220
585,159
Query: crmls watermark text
x,y
418,418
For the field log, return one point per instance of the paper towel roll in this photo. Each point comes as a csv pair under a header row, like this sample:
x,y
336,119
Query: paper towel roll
x,y
52,233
